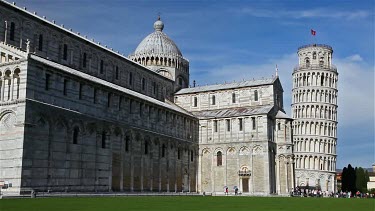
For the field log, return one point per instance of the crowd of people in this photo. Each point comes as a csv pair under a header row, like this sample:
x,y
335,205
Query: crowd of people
x,y
305,192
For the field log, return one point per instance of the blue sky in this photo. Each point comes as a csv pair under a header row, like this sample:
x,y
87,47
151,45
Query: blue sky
x,y
235,40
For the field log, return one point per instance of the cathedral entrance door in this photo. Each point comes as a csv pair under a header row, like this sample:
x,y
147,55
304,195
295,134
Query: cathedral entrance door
x,y
186,183
245,185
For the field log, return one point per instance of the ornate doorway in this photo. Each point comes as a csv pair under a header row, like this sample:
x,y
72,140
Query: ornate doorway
x,y
244,175
245,185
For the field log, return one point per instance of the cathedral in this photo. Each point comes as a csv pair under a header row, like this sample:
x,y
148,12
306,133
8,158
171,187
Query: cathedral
x,y
77,116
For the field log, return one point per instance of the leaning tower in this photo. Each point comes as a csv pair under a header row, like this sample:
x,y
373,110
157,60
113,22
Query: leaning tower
x,y
314,109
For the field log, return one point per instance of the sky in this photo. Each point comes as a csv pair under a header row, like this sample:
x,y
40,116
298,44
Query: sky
x,y
226,41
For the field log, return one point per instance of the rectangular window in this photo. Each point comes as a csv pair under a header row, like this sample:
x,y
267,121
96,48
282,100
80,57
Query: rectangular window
x,y
154,87
65,52
116,72
12,29
47,81
84,60
80,91
228,124
40,46
215,126
163,151
101,66
109,99
191,155
233,97
103,139
94,97
256,97
127,140
140,109
179,154
143,84
253,122
195,101
213,100
240,123
131,106
65,89
120,102
130,78
146,148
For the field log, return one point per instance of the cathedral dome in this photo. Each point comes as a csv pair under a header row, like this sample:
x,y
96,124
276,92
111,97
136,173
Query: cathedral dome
x,y
157,43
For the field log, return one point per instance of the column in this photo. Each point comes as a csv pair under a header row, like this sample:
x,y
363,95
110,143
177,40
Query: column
x,y
21,34
160,148
132,172
122,164
110,172
12,87
278,176
292,173
142,168
2,89
5,32
286,177
240,188
7,89
176,170
199,179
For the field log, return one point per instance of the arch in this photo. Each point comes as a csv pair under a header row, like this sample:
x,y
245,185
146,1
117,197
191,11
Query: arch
x,y
206,151
8,120
244,151
257,149
231,151
165,73
307,62
245,168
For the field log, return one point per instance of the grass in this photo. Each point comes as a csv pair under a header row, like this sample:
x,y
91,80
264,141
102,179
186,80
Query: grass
x,y
166,203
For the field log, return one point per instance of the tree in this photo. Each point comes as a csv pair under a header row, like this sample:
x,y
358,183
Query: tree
x,y
361,179
348,179
351,179
344,179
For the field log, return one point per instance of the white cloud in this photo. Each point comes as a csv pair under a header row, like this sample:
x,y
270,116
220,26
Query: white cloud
x,y
356,92
355,58
312,13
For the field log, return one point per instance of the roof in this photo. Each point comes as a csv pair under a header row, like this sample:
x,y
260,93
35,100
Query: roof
x,y
76,35
157,43
227,86
102,82
282,115
233,112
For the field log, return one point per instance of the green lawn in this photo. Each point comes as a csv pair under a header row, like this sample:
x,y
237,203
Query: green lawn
x,y
166,203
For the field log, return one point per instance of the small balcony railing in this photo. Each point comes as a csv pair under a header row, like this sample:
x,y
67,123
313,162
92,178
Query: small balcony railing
x,y
315,67
315,45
